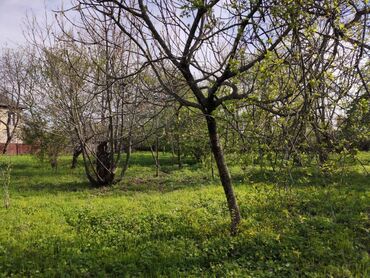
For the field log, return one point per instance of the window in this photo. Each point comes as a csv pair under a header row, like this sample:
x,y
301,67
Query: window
x,y
12,118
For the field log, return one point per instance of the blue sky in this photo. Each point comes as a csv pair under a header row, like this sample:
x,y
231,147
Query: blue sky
x,y
13,14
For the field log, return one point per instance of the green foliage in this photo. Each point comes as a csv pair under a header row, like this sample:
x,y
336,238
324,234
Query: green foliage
x,y
356,127
178,224
188,132
51,141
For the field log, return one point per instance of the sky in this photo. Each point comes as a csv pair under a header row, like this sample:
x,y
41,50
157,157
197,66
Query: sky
x,y
13,14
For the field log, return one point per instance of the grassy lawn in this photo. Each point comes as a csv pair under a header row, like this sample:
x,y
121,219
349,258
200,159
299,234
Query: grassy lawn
x,y
177,224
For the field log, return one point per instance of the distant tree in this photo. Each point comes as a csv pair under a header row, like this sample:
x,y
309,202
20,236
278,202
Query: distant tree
x,y
355,127
50,140
91,95
16,70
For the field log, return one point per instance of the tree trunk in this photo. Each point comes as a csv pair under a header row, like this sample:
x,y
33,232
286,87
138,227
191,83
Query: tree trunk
x,y
157,157
212,169
173,150
128,156
224,173
321,147
76,153
104,167
178,143
179,161
5,147
9,136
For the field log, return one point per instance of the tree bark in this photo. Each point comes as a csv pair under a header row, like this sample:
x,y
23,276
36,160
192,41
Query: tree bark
x,y
104,167
212,169
179,161
224,173
128,156
178,143
156,156
6,145
9,133
76,153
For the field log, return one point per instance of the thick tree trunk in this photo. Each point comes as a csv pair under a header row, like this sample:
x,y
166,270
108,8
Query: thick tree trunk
x,y
104,165
224,173
77,151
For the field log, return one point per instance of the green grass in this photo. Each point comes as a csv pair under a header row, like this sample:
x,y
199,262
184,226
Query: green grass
x,y
177,224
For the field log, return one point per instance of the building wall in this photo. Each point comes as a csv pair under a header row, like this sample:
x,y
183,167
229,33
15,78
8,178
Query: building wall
x,y
16,145
16,149
17,136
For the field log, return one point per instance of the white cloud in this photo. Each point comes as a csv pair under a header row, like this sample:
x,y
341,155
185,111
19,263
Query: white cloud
x,y
13,14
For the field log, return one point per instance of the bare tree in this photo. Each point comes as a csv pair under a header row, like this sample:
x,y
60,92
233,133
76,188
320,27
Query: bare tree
x,y
91,89
214,43
16,82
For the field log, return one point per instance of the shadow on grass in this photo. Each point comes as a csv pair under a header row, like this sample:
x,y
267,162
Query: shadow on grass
x,y
302,177
38,188
146,159
164,183
30,175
